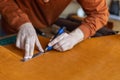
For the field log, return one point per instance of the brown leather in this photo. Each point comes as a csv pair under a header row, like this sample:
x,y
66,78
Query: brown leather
x,y
93,59
41,14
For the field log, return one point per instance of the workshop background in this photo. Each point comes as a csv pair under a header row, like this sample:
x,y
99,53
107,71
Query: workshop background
x,y
74,8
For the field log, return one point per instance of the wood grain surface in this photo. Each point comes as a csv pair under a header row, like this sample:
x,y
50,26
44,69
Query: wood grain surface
x,y
92,59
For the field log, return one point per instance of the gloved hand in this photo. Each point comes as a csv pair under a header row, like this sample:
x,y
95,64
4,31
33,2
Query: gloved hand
x,y
67,41
26,39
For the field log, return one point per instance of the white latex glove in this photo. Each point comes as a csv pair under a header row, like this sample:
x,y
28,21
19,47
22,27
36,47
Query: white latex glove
x,y
67,41
26,39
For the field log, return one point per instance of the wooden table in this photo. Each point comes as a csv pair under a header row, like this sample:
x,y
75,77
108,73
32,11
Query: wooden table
x,y
92,59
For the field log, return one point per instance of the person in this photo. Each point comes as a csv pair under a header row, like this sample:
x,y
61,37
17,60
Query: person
x,y
23,15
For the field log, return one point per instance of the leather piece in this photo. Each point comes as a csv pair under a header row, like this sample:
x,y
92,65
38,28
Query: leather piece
x,y
92,59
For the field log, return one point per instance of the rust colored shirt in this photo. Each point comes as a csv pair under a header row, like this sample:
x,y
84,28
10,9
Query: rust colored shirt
x,y
41,14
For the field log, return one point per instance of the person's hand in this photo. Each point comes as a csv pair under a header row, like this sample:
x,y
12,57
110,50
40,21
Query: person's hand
x,y
26,39
67,41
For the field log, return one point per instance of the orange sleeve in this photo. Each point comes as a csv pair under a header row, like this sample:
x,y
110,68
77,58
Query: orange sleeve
x,y
97,16
12,13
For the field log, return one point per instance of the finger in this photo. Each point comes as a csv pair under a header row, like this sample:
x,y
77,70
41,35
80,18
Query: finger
x,y
27,48
39,45
22,42
18,40
59,44
59,49
59,38
56,46
66,46
32,45
63,47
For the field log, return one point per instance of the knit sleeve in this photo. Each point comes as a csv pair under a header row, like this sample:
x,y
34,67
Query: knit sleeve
x,y
97,16
12,13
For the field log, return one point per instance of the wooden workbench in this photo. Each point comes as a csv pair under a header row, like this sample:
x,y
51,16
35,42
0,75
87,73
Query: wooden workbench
x,y
92,59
